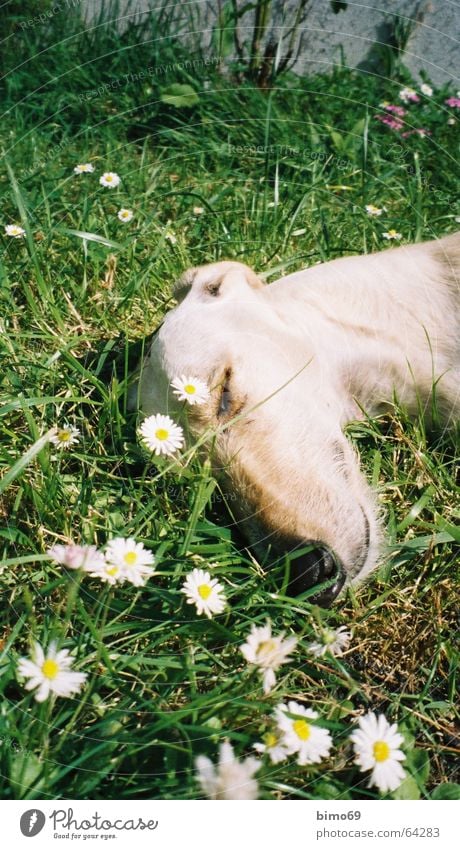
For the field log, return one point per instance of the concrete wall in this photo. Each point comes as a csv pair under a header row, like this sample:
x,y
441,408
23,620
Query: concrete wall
x,y
354,32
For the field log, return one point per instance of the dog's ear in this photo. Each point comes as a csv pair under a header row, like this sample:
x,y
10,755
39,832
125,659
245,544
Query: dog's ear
x,y
210,279
182,286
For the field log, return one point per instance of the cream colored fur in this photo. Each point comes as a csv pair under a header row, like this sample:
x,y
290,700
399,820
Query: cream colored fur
x,y
292,362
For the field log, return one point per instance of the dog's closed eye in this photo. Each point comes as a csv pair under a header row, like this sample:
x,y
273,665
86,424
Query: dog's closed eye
x,y
225,399
213,288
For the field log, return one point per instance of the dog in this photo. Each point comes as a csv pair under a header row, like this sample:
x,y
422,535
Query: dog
x,y
289,365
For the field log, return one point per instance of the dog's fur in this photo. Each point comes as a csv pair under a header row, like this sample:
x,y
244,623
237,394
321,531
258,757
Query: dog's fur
x,y
291,363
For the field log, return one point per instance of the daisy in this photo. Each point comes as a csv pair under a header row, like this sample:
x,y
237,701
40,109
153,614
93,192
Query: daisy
x,y
300,736
84,168
373,210
426,89
14,230
332,641
453,101
231,778
408,95
110,573
125,215
110,180
377,747
198,210
50,672
73,556
65,436
268,652
272,746
190,389
392,234
132,558
161,435
204,592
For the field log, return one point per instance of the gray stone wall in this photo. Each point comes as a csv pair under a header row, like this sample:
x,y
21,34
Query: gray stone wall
x,y
352,34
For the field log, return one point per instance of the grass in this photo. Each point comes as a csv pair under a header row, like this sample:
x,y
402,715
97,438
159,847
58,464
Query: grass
x,y
283,178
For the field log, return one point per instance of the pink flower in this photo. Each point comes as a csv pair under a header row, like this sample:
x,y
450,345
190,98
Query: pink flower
x,y
392,123
76,556
419,131
453,101
398,110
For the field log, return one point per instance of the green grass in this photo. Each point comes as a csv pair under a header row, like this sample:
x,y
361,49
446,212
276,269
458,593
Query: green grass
x,y
163,685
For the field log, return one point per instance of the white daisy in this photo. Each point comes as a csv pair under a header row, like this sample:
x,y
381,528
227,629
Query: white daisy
x,y
373,210
301,736
110,180
331,641
204,592
272,746
161,435
377,747
133,559
190,389
14,230
267,652
231,779
65,436
110,573
73,556
50,672
392,234
408,95
84,168
451,121
426,89
198,210
125,215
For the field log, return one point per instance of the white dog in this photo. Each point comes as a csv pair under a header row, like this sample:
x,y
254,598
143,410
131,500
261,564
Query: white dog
x,y
289,364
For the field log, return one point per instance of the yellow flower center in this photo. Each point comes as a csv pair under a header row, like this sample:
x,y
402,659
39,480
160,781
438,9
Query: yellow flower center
x,y
50,669
130,558
265,649
204,590
112,570
109,178
161,434
190,389
328,638
63,436
381,751
302,729
270,739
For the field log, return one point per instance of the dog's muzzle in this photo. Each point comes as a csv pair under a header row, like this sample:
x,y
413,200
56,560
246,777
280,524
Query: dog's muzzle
x,y
312,566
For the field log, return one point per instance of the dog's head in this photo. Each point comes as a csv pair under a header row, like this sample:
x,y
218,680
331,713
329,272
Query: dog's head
x,y
274,420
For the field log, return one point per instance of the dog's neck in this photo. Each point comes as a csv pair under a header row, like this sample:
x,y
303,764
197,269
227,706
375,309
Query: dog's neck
x,y
388,322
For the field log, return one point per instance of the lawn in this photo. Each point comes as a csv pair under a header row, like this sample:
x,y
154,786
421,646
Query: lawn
x,y
211,168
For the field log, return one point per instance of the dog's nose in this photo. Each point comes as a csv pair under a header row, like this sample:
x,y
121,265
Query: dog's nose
x,y
314,565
